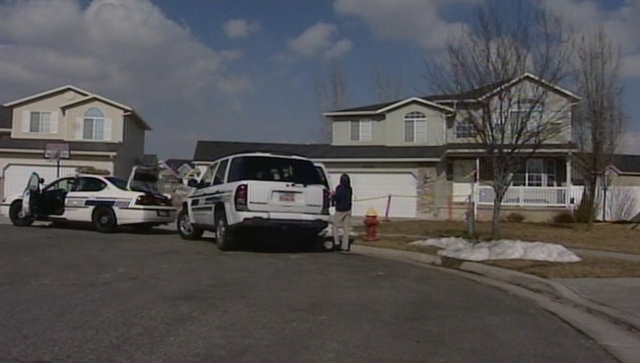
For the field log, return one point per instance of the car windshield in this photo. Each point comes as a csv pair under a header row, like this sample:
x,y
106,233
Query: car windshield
x,y
271,168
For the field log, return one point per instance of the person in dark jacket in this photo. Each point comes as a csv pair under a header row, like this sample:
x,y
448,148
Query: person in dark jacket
x,y
342,200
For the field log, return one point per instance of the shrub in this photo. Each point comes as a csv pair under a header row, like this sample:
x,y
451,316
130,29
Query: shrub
x,y
564,217
515,217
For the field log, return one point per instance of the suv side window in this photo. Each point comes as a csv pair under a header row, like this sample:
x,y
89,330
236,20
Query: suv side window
x,y
219,177
207,178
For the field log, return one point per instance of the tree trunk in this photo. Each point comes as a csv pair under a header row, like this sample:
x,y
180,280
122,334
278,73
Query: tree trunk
x,y
496,227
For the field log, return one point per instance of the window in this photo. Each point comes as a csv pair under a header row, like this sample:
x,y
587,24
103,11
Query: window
x,y
466,128
62,184
273,169
207,177
84,184
219,177
40,122
415,127
537,173
361,130
94,125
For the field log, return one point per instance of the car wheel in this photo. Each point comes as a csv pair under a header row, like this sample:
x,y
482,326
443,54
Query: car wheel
x,y
225,239
186,229
104,220
17,217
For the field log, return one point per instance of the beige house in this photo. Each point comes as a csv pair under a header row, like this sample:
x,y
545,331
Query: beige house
x,y
57,131
417,157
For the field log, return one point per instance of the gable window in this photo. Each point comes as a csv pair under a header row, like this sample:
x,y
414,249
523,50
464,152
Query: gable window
x,y
466,128
93,124
415,127
40,122
361,130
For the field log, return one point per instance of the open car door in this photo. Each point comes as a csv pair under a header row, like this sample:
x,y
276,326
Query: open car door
x,y
31,196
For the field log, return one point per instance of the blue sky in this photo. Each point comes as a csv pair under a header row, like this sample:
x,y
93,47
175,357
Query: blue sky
x,y
234,70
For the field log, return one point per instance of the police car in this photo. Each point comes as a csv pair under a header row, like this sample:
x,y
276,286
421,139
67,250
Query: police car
x,y
104,201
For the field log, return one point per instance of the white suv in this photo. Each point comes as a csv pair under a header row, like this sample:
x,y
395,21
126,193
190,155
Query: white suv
x,y
256,192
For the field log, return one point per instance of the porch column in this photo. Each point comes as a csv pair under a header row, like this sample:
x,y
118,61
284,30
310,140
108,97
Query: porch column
x,y
476,194
569,166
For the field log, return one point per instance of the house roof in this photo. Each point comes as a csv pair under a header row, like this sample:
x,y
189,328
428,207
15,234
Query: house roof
x,y
211,150
86,97
5,117
627,163
475,94
45,94
387,106
31,144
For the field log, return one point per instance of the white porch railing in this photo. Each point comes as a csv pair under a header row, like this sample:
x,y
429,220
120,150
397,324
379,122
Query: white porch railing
x,y
532,196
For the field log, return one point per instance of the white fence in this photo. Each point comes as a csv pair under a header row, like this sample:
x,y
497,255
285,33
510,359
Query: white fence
x,y
620,204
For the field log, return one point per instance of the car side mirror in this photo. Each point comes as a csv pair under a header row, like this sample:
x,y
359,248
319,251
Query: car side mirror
x,y
193,183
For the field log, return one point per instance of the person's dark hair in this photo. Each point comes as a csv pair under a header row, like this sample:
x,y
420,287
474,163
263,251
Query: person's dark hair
x,y
345,180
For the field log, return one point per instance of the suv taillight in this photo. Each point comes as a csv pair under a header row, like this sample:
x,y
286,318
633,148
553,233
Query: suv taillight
x,y
326,201
241,198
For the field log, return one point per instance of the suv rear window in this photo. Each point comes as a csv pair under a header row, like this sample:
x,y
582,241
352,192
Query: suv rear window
x,y
271,168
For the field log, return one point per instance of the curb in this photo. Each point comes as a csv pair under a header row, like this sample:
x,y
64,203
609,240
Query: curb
x,y
516,278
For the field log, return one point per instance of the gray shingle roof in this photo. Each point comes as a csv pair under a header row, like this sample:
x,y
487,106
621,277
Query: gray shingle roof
x,y
211,150
627,163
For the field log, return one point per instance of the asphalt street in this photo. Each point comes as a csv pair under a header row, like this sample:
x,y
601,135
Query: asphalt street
x,y
75,295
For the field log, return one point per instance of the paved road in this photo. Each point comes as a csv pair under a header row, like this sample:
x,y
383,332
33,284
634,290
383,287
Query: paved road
x,y
69,295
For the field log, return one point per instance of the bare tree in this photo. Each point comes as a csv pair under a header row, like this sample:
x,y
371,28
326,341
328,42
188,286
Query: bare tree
x,y
600,122
511,111
331,94
385,86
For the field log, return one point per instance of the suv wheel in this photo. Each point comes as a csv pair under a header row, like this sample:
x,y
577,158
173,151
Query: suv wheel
x,y
185,228
225,239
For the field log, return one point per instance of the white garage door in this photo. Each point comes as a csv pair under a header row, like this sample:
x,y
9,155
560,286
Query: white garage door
x,y
16,176
374,189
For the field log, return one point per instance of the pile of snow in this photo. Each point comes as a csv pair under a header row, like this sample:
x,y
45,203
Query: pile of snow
x,y
461,249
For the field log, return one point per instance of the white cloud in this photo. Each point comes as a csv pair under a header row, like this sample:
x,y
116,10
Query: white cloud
x,y
622,25
319,40
127,50
240,28
414,21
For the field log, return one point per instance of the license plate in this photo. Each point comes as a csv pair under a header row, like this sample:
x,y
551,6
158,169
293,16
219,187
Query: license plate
x,y
163,213
287,197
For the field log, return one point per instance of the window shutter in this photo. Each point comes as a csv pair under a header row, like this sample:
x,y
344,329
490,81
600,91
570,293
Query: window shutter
x,y
78,128
54,122
26,121
107,129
